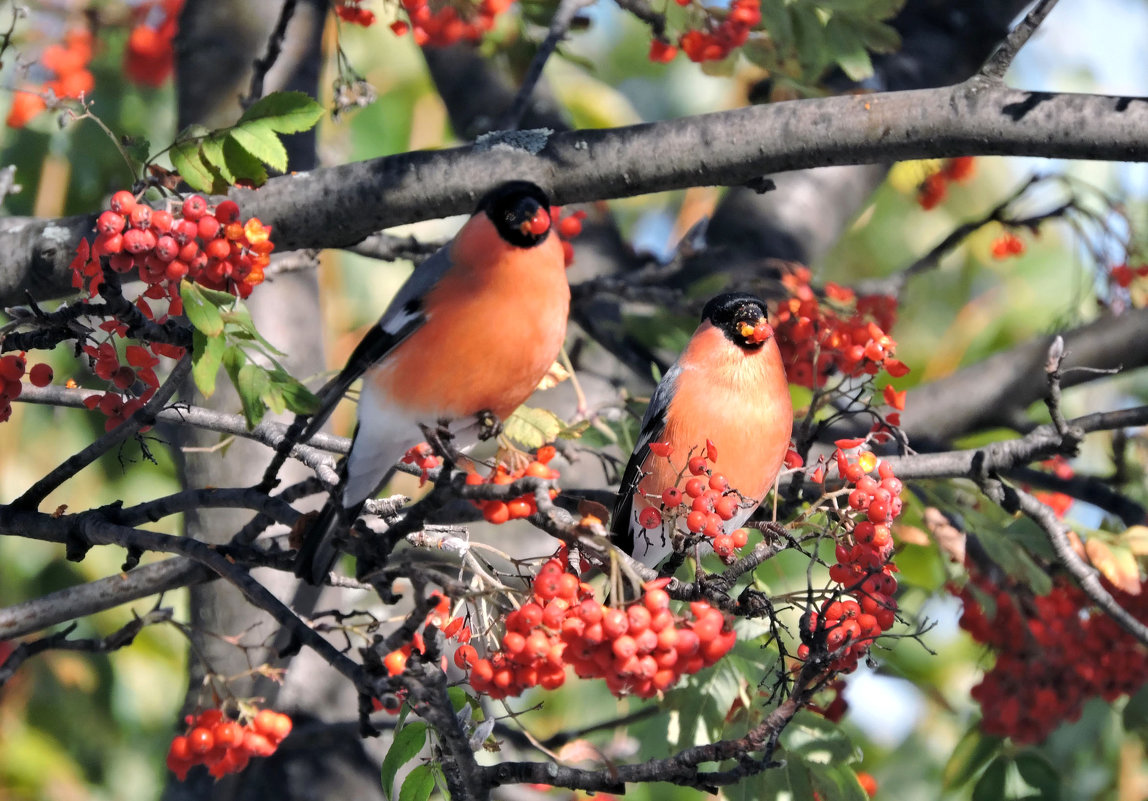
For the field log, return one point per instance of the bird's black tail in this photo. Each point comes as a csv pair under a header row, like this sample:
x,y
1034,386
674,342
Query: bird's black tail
x,y
320,546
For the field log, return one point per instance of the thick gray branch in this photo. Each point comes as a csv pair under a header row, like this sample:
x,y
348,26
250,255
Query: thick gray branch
x,y
338,206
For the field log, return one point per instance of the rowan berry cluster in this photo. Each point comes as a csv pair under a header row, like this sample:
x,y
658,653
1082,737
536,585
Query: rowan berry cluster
x,y
1053,652
935,187
439,618
721,32
352,11
440,24
13,368
498,511
847,627
225,745
1123,276
208,246
67,63
641,650
1006,245
149,55
704,504
567,228
842,334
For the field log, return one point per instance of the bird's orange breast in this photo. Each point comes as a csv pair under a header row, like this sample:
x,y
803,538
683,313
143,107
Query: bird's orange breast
x,y
496,321
737,399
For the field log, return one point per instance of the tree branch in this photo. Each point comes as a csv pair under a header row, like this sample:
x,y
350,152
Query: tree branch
x,y
339,206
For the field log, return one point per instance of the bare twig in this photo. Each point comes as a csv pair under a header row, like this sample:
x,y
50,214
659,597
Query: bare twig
x,y
145,416
274,47
998,63
559,26
60,642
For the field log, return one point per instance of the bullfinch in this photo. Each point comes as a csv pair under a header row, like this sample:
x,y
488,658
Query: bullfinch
x,y
467,338
727,387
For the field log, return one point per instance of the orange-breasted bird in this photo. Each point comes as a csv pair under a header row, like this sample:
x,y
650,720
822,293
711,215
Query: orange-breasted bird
x,y
727,387
467,337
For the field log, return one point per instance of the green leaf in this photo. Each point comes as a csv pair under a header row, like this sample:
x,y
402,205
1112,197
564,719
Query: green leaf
x,y
1136,712
206,357
877,36
137,147
418,784
200,312
298,398
972,753
232,161
262,143
1039,774
531,427
211,150
285,112
187,159
273,397
991,785
242,164
233,359
847,48
408,742
809,38
816,740
777,22
574,431
836,783
252,382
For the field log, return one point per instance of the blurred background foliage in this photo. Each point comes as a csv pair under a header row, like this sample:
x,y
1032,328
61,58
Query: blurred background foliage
x,y
96,727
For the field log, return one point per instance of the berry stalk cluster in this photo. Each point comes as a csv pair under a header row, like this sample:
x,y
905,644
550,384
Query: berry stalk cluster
x,y
225,745
844,628
642,649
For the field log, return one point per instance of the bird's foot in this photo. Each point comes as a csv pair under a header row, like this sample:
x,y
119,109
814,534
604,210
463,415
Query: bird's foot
x,y
489,426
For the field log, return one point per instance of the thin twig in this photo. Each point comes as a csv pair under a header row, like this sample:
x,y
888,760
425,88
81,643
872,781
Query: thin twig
x,y
1013,499
145,416
274,47
559,27
998,63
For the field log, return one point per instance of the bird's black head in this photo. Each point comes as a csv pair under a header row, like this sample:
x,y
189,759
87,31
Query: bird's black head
x,y
520,212
741,317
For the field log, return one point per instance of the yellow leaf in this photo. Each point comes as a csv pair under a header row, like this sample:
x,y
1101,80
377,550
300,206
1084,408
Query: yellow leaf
x,y
1136,538
910,535
1115,564
554,376
950,539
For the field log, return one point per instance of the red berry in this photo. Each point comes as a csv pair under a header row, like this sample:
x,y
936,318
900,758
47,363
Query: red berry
x,y
140,216
161,221
122,202
109,223
208,228
227,211
193,208
671,497
40,375
697,465
200,740
650,518
12,367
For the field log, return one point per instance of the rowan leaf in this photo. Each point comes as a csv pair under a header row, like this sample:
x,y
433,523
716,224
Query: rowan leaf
x,y
201,312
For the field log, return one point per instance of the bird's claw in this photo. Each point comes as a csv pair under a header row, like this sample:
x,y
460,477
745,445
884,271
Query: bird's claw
x,y
489,426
